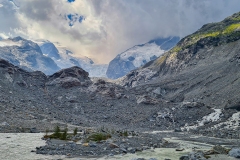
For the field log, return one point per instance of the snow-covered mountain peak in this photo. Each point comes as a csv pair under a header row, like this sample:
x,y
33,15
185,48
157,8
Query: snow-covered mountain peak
x,y
139,55
8,42
65,58
27,55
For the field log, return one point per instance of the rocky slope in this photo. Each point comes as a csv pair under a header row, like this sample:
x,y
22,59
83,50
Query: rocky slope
x,y
34,100
203,67
138,56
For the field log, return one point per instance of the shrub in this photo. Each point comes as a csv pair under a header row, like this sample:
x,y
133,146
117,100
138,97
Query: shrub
x,y
75,131
125,133
57,133
64,134
98,137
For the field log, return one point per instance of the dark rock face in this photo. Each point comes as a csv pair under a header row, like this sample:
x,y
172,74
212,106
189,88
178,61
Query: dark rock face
x,y
5,64
118,68
50,50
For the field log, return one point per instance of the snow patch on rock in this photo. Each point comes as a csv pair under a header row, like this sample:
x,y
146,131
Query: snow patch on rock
x,y
213,117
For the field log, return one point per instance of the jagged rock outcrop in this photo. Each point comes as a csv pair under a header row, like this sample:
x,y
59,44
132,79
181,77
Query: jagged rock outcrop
x,y
69,77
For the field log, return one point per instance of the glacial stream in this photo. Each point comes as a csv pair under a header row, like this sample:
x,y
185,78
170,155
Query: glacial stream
x,y
18,146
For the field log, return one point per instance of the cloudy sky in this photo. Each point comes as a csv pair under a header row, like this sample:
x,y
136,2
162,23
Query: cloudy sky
x,y
101,29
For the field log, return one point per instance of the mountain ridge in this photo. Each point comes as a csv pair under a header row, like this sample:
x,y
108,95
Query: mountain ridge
x,y
195,68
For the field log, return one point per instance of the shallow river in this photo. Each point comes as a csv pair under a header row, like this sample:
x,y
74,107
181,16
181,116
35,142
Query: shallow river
x,y
18,146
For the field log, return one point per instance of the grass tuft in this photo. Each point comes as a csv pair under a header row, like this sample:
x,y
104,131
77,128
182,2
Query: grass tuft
x,y
97,137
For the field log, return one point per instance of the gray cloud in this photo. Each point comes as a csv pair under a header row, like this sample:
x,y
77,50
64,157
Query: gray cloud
x,y
37,10
111,26
8,17
137,21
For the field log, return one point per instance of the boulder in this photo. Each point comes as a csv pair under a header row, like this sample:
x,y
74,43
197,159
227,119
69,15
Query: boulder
x,y
146,100
184,157
131,150
69,77
199,155
235,152
113,145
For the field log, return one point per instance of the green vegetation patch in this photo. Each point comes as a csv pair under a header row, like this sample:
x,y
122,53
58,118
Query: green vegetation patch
x,y
225,31
60,134
161,59
176,49
97,137
231,28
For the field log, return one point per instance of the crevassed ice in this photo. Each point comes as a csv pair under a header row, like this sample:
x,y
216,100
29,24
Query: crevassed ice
x,y
141,53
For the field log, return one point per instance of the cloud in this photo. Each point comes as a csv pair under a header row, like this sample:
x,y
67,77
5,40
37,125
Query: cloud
x,y
101,29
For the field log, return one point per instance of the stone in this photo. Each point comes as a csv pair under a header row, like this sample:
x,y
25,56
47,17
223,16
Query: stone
x,y
177,130
4,124
235,152
131,150
184,157
33,130
219,149
157,91
155,146
113,145
92,145
146,100
139,149
180,149
145,147
85,144
111,154
199,155
123,150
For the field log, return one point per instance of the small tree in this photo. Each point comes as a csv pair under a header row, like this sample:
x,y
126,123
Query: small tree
x,y
57,133
75,131
125,133
64,135
46,132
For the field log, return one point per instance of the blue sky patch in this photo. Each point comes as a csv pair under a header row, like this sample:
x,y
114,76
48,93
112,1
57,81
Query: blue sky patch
x,y
73,18
81,18
70,1
70,17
